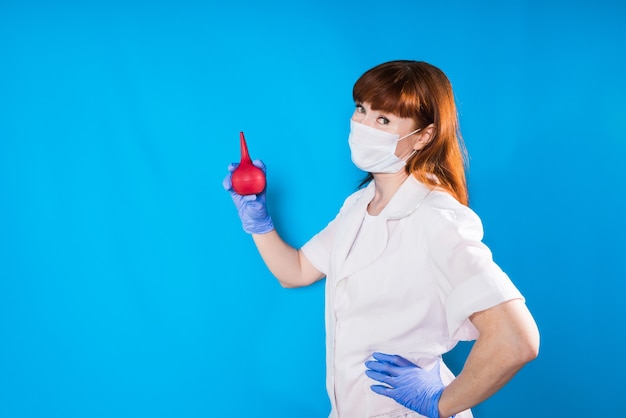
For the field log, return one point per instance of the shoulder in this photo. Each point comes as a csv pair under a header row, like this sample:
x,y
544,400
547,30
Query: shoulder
x,y
441,211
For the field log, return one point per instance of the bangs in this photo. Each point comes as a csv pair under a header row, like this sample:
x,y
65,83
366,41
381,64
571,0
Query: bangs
x,y
388,90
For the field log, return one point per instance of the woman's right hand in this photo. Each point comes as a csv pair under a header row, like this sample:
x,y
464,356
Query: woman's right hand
x,y
252,209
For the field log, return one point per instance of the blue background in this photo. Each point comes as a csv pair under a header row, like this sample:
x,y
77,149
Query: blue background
x,y
127,287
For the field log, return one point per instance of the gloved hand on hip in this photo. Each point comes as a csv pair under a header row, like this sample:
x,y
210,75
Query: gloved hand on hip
x,y
408,384
252,209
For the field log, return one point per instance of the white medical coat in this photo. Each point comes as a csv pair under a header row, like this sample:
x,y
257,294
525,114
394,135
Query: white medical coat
x,y
407,286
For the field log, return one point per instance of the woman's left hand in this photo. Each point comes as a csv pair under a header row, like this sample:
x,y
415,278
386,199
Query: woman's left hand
x,y
409,385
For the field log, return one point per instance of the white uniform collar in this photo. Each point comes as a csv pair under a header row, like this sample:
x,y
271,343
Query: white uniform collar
x,y
406,199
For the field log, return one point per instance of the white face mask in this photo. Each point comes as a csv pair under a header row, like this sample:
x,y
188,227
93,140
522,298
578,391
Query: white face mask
x,y
374,150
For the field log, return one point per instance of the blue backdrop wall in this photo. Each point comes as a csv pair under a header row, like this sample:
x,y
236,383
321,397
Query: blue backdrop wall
x,y
127,286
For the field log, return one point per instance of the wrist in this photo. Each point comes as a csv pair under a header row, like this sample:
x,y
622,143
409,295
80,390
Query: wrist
x,y
442,408
258,227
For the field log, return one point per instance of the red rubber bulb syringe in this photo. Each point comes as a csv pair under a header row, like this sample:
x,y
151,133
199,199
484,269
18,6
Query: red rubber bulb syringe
x,y
247,178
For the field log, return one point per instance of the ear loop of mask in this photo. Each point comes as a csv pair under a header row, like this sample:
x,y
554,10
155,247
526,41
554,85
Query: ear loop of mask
x,y
414,151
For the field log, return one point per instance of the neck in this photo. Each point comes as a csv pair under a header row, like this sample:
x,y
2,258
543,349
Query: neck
x,y
385,186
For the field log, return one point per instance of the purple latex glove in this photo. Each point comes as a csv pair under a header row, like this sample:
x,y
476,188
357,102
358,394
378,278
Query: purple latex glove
x,y
408,384
252,209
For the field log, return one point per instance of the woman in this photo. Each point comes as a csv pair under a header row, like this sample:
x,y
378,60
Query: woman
x,y
407,275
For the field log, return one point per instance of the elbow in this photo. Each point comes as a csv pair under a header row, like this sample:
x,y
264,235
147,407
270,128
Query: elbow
x,y
528,351
293,283
514,354
508,335
286,285
523,337
526,348
531,349
290,283
518,348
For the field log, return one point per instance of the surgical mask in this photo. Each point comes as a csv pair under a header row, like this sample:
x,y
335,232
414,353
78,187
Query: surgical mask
x,y
374,150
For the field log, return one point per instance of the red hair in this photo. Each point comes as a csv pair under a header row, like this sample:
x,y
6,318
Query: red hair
x,y
422,92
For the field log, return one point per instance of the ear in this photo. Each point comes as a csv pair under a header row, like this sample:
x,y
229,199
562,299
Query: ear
x,y
424,137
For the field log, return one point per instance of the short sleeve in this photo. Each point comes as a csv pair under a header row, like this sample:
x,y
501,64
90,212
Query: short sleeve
x,y
472,281
319,247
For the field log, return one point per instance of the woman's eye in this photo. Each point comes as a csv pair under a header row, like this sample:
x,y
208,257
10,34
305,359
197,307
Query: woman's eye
x,y
360,108
382,120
